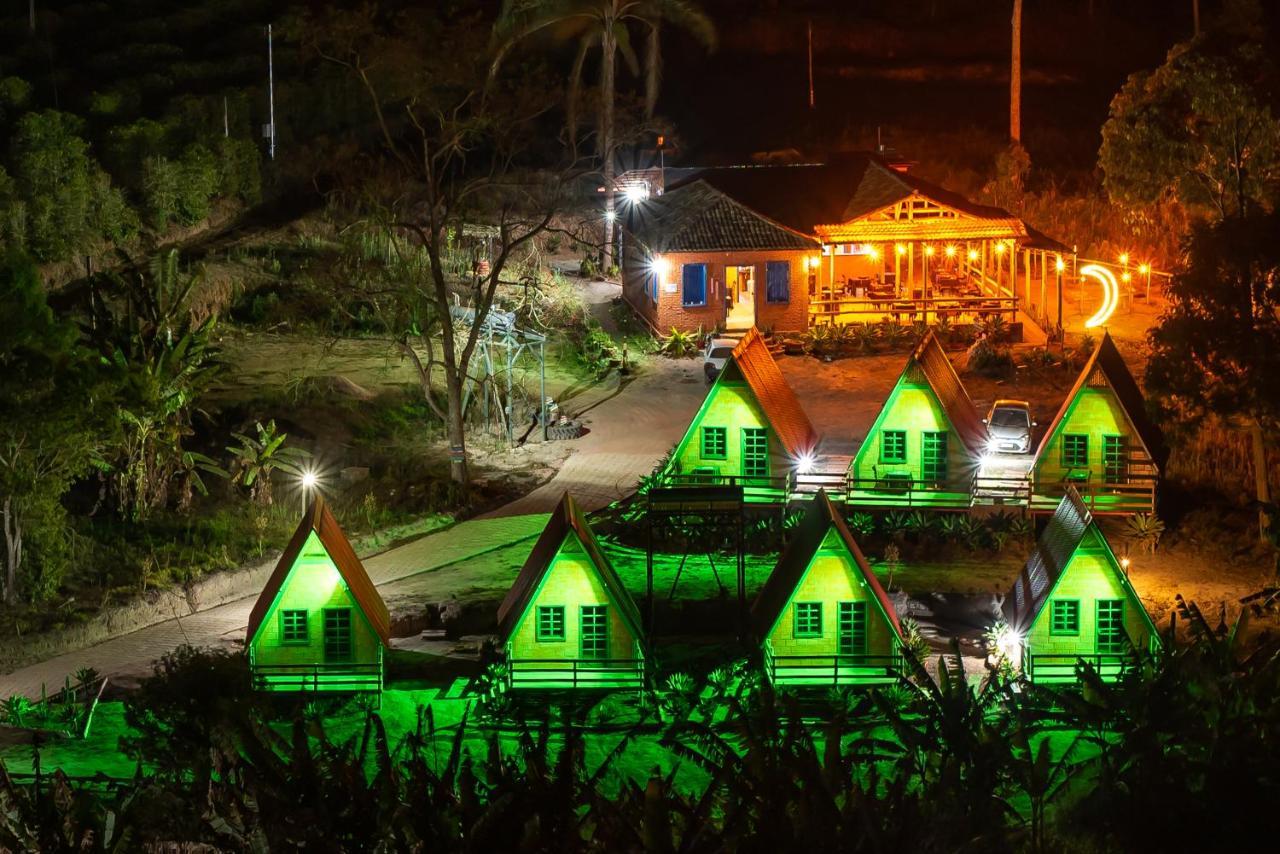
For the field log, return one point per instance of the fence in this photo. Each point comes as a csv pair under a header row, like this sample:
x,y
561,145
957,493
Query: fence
x,y
575,673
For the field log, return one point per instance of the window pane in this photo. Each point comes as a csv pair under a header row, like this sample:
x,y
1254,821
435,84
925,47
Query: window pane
x,y
808,619
550,623
1115,465
337,634
893,446
715,443
293,627
595,632
853,628
694,280
1064,617
935,458
778,281
755,452
1075,450
1111,635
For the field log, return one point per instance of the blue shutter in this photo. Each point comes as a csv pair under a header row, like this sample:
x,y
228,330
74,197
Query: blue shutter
x,y
653,287
695,284
777,278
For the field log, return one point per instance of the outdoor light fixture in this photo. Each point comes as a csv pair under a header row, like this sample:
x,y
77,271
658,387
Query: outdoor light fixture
x,y
661,266
1124,564
973,254
873,254
928,250
804,465
636,193
999,248
1009,643
308,480
1061,265
1124,257
1125,277
610,216
1110,293
1144,269
951,252
901,250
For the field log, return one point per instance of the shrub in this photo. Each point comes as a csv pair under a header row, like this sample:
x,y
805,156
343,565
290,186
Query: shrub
x,y
990,361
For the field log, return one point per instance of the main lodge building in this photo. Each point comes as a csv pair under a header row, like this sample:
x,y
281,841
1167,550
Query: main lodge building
x,y
776,246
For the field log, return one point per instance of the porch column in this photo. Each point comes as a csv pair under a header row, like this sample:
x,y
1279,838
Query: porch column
x,y
1026,257
1044,281
911,269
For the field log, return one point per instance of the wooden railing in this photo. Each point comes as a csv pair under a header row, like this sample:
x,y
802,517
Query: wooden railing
x,y
1062,667
902,490
1135,493
832,669
575,673
909,311
347,676
999,489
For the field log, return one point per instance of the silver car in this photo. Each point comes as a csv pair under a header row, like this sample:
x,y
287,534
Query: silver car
x,y
1009,427
716,356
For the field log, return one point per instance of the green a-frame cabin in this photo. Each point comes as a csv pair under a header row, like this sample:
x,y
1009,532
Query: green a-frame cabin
x,y
319,624
1101,442
750,430
1073,602
822,617
927,441
568,621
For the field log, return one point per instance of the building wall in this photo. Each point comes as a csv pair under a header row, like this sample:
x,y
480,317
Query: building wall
x,y
1097,413
669,312
313,585
1089,576
571,582
731,405
915,409
832,578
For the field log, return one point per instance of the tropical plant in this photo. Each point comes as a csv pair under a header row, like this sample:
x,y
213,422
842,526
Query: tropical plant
x,y
256,457
1144,531
895,524
914,643
865,338
922,524
862,524
890,332
680,344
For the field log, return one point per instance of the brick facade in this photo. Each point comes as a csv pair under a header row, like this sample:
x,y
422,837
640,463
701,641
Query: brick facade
x,y
669,311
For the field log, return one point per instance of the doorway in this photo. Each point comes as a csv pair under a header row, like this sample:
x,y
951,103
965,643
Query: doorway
x,y
740,294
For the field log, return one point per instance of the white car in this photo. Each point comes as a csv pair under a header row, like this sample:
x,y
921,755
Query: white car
x,y
1009,427
716,356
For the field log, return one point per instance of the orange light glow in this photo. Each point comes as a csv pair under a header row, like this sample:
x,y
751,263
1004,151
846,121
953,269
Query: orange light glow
x,y
951,252
1061,265
901,250
999,248
973,254
1144,269
928,250
1124,257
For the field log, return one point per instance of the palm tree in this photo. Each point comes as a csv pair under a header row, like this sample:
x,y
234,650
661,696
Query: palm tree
x,y
606,24
1015,77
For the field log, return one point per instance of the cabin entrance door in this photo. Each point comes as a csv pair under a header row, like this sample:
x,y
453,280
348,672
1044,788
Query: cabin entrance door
x,y
740,296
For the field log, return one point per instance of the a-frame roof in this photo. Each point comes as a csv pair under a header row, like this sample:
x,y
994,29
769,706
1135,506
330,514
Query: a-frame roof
x,y
929,363
820,519
753,361
699,218
565,520
319,520
1107,361
1066,530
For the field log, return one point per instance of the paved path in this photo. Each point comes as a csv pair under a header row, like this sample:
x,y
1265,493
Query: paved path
x,y
133,653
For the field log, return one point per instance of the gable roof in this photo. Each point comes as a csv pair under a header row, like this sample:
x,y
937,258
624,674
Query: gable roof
x,y
565,520
929,362
1053,551
320,520
697,218
819,519
781,407
1106,358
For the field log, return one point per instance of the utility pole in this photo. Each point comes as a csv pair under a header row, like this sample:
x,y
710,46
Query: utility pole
x,y
811,65
1195,15
1015,77
31,13
271,97
226,124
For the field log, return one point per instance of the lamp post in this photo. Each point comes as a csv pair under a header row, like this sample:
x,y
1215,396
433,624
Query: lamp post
x,y
1145,270
1062,332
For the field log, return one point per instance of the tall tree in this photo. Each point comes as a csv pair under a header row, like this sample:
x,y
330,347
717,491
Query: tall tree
x,y
1216,350
607,25
1198,129
461,151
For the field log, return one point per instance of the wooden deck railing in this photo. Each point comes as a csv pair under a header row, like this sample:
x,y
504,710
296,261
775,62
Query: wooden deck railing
x,y
318,677
575,673
955,309
1062,667
830,669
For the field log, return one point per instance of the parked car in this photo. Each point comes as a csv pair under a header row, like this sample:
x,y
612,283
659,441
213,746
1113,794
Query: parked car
x,y
716,356
1009,427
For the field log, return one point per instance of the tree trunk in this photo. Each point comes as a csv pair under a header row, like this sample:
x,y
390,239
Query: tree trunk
x,y
1262,488
455,429
609,49
1015,77
13,549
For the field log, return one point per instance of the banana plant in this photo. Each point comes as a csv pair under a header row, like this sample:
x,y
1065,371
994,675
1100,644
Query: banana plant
x,y
255,458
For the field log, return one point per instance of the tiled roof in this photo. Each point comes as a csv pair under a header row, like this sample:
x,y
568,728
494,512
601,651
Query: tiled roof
x,y
699,218
1053,552
1107,359
761,372
820,519
567,518
318,518
904,230
942,378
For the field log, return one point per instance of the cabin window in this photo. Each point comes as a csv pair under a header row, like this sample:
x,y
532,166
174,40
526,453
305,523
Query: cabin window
x,y
755,452
1111,636
1064,617
595,632
808,620
1115,465
337,634
893,446
653,287
853,628
293,627
1075,450
694,290
715,443
550,623
777,278
935,457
